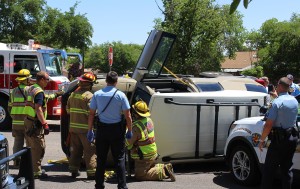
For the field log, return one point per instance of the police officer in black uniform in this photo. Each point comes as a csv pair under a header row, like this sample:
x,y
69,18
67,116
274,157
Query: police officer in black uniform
x,y
279,127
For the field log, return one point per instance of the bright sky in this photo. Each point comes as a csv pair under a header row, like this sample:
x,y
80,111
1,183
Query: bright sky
x,y
259,11
130,21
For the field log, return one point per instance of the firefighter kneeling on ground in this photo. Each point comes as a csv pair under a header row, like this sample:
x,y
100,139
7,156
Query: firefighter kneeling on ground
x,y
143,147
78,108
17,102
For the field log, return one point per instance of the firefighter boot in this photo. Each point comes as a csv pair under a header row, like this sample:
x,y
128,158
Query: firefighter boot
x,y
40,175
75,174
169,171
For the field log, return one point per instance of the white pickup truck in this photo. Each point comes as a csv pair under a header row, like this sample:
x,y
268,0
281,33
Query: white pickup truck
x,y
242,153
191,116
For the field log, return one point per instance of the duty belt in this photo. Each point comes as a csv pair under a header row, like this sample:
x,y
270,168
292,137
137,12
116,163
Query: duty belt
x,y
109,124
279,134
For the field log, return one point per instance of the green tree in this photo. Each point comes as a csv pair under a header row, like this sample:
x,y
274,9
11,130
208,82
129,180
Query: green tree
x,y
20,19
257,71
125,57
66,29
204,31
32,19
279,47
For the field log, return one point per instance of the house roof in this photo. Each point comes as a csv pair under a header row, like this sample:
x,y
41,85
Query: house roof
x,y
241,61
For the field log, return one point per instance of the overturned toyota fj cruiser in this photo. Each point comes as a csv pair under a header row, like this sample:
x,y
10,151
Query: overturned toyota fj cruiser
x,y
190,122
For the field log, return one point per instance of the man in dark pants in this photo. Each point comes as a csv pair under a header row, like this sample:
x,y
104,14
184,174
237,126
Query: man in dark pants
x,y
280,127
109,103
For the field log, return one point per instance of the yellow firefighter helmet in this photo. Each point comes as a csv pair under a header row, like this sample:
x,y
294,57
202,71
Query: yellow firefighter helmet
x,y
141,108
23,75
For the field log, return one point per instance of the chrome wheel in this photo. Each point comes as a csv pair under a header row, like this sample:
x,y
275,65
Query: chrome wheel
x,y
241,165
244,166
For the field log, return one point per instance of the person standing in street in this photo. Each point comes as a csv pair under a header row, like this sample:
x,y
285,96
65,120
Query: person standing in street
x,y
265,82
279,127
78,109
143,147
35,122
294,88
110,103
16,105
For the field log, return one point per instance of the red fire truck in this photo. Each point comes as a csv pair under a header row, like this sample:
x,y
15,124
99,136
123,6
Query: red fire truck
x,y
14,57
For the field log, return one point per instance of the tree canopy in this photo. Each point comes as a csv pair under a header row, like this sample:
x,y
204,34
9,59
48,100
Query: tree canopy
x,y
124,58
204,32
279,46
22,20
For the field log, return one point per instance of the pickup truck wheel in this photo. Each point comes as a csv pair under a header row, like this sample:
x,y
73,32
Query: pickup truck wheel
x,y
243,166
5,119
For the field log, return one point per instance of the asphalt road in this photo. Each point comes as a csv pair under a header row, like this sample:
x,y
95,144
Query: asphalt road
x,y
208,175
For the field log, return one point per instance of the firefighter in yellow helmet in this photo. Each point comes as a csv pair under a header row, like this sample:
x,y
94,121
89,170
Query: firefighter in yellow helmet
x,y
143,147
78,109
16,105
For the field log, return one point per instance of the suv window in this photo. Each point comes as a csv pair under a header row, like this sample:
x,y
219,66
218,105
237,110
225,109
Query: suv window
x,y
1,64
207,87
141,94
255,88
29,62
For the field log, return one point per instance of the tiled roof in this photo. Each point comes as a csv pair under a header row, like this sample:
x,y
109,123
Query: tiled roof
x,y
242,60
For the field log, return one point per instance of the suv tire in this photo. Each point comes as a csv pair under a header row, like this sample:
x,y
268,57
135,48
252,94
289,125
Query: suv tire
x,y
243,166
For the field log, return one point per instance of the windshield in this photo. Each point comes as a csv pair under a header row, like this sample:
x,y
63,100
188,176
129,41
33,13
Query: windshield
x,y
161,53
52,64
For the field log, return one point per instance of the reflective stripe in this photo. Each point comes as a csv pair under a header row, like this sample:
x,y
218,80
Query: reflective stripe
x,y
17,110
160,171
32,91
147,141
91,172
79,126
78,96
16,122
79,111
17,104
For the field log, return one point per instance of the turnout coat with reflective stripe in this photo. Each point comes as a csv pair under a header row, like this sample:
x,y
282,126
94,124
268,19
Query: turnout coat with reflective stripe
x,y
143,138
31,92
17,103
78,108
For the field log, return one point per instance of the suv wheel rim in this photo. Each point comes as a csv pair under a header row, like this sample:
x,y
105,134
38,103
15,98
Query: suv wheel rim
x,y
241,165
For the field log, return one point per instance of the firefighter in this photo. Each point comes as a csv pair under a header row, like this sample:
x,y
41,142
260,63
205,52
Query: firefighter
x,y
35,121
78,109
143,147
16,105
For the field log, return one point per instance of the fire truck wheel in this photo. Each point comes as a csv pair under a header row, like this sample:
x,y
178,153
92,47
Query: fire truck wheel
x,y
5,119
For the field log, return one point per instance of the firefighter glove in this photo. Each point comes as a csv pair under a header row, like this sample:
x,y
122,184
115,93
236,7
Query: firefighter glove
x,y
129,134
59,93
46,128
90,136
